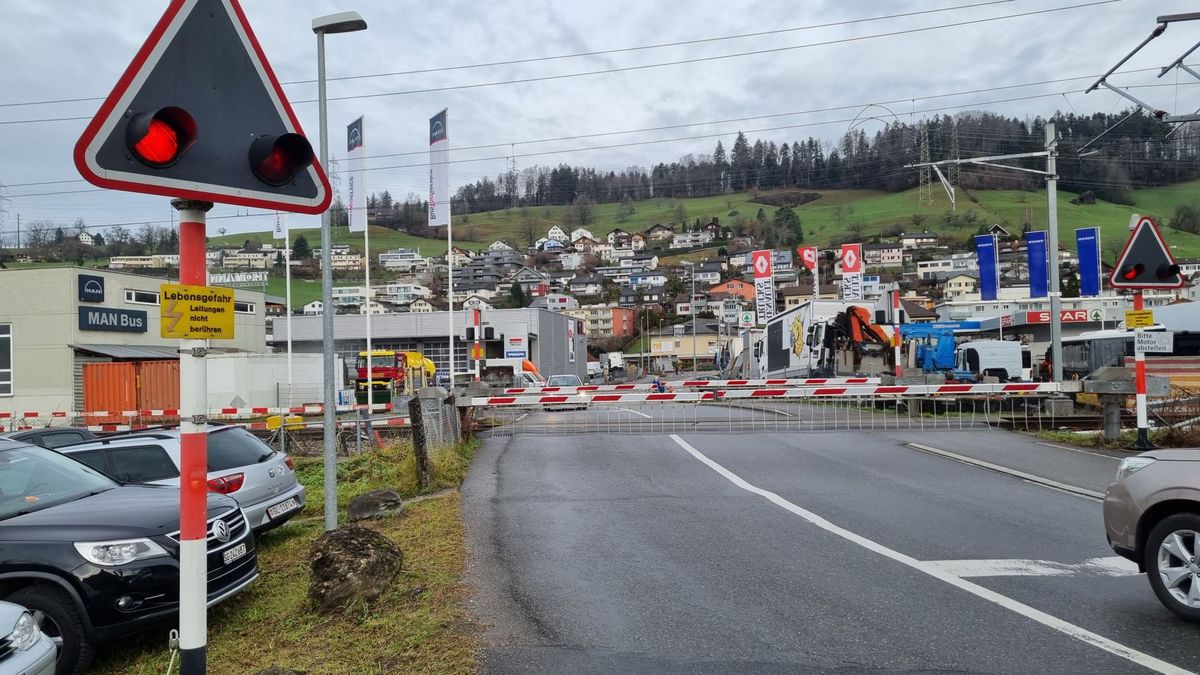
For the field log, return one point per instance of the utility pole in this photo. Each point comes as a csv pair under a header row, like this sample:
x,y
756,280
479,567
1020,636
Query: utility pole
x,y
692,306
1052,244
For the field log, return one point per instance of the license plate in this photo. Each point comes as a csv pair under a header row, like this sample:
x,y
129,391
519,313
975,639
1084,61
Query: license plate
x,y
281,508
234,553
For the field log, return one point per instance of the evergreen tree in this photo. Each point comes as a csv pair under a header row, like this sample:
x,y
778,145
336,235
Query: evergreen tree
x,y
301,249
516,295
740,163
1070,285
721,168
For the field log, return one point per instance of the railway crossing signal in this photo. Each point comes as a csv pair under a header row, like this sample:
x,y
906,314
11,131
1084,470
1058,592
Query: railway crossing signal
x,y
1146,261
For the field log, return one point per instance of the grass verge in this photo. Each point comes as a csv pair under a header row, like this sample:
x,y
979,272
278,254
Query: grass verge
x,y
417,627
1165,438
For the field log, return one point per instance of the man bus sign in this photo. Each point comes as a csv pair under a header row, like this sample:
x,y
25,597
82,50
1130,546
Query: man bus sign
x,y
196,312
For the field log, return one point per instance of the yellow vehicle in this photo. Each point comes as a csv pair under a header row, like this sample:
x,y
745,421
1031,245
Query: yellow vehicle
x,y
393,373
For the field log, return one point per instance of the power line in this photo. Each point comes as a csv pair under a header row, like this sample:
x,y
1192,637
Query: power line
x,y
705,59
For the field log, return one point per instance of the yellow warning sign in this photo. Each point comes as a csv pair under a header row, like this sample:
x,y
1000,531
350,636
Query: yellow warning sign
x,y
195,312
1139,318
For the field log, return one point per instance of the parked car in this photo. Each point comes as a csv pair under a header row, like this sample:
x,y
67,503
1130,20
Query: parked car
x,y
95,560
261,479
51,437
565,381
24,648
1152,517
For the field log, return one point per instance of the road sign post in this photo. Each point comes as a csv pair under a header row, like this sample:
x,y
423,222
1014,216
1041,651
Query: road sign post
x,y
1139,363
193,449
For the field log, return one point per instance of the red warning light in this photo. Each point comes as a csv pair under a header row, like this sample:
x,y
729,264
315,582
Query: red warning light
x,y
1131,272
159,138
276,160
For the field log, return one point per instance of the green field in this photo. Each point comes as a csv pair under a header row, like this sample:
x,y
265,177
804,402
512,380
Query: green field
x,y
382,239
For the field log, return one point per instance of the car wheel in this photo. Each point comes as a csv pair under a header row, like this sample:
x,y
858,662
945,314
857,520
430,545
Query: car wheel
x,y
58,618
1172,560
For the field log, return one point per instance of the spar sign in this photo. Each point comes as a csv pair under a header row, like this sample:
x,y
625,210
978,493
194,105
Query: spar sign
x,y
764,285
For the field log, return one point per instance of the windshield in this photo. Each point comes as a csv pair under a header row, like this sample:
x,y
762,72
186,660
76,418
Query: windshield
x,y
377,362
563,381
33,478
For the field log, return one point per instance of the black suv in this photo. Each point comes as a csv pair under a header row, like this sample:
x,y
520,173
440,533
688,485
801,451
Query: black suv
x,y
95,559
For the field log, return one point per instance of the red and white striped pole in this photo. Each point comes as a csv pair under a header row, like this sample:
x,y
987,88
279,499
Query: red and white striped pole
x,y
477,348
193,444
899,368
1139,364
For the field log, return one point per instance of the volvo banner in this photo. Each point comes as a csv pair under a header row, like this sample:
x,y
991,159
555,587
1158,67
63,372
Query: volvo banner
x,y
1039,281
356,205
1087,239
989,266
439,171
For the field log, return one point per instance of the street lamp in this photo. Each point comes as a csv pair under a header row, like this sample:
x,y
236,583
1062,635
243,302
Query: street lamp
x,y
342,22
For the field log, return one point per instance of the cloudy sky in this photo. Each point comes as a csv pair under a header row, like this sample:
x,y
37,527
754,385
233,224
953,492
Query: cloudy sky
x,y
832,55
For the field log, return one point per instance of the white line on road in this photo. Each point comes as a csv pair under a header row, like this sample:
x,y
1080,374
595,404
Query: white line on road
x,y
636,413
1038,480
1082,452
1070,629
1102,567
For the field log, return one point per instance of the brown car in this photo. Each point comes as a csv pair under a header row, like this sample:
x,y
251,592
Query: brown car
x,y
1152,517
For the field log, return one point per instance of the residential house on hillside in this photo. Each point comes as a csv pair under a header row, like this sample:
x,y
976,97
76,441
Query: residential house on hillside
x,y
557,234
500,246
477,302
250,260
403,259
571,261
540,244
601,321
727,307
647,279
916,312
602,249
912,241
312,309
477,273
628,297
637,241
655,295
707,273
998,230
618,237
350,295
943,268
647,261
960,285
587,284
690,239
465,291
736,287
86,239
346,261
794,296
460,256
715,231
530,279
581,232
781,261
372,307
336,249
886,254
553,245
619,254
685,303
421,306
555,302
402,293
583,244
660,232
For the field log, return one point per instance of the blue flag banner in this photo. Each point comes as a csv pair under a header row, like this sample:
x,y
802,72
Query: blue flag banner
x,y
1087,239
989,266
1039,281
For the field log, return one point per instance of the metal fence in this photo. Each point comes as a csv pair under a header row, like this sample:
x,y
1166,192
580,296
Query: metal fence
x,y
881,413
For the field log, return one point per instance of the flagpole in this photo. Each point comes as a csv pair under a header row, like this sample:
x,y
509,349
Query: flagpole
x,y
287,238
369,295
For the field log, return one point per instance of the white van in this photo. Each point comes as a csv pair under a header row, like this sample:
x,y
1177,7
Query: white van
x,y
1007,360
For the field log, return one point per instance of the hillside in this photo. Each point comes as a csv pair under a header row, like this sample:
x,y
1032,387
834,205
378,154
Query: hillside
x,y
835,216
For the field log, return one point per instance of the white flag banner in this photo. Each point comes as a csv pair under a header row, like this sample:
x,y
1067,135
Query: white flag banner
x,y
439,171
852,286
356,204
281,226
764,284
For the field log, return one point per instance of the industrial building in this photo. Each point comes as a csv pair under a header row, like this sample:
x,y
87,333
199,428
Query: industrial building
x,y
56,320
555,343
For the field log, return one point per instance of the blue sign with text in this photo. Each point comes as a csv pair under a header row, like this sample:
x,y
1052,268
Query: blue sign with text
x,y
1087,240
112,320
91,288
1039,281
989,266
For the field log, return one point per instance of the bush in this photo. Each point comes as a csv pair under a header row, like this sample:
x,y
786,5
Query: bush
x,y
791,198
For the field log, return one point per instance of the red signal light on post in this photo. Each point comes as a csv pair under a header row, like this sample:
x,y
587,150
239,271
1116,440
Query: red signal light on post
x,y
276,160
1131,272
1165,272
160,137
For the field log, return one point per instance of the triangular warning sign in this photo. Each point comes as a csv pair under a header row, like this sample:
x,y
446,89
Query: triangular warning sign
x,y
202,77
1146,261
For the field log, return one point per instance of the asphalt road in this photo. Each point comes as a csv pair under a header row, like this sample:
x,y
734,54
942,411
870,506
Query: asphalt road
x,y
802,552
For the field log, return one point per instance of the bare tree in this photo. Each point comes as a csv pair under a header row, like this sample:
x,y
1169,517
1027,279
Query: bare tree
x,y
529,231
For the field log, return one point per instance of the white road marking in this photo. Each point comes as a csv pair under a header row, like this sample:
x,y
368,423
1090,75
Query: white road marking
x,y
1082,452
1105,567
1038,480
1069,629
636,413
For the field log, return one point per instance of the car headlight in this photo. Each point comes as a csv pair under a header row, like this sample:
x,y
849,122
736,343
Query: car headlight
x,y
113,553
1131,465
25,634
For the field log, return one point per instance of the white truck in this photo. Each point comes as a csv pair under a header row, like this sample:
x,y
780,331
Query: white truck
x,y
613,366
1007,360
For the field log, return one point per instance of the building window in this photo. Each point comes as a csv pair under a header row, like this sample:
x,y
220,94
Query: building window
x,y
134,297
6,359
243,307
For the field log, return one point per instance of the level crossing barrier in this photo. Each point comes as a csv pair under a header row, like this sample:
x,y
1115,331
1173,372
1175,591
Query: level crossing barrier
x,y
692,384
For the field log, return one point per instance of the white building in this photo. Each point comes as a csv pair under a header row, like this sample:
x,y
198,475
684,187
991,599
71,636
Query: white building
x,y
372,307
313,308
557,234
944,268
349,295
499,246
690,239
401,293
347,261
86,239
405,259
477,302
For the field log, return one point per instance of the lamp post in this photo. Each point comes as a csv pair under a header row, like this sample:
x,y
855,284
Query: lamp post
x,y
342,22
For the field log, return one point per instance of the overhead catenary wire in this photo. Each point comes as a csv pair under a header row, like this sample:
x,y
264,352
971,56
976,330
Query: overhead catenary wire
x,y
647,66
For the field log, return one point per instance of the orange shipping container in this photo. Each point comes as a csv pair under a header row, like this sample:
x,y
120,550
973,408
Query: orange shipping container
x,y
130,385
